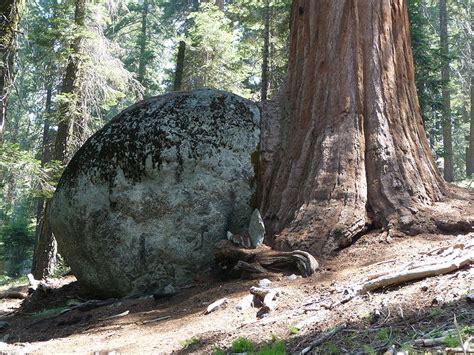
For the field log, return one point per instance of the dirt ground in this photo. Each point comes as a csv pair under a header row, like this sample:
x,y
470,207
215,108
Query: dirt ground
x,y
374,323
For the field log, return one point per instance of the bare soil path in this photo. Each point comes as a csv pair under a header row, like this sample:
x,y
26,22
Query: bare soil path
x,y
394,317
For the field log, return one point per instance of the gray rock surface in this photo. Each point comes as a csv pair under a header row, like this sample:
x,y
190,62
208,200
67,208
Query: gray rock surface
x,y
143,202
256,229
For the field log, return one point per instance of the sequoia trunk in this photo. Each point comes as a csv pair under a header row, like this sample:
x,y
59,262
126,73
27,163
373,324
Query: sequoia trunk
x,y
353,151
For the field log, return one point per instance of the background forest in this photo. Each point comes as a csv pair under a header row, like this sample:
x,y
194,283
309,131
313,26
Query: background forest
x,y
88,60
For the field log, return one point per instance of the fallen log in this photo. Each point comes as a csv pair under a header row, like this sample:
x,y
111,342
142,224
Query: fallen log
x,y
419,272
240,261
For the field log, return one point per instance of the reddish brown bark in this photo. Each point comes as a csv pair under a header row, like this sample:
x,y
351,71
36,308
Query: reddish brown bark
x,y
353,150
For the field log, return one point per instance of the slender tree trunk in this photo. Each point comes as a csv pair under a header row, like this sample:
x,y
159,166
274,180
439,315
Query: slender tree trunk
x,y
44,257
143,41
9,21
265,51
470,155
446,118
353,151
178,76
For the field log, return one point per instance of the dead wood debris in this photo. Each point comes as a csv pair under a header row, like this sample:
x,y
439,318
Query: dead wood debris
x,y
323,338
120,315
216,305
438,262
156,320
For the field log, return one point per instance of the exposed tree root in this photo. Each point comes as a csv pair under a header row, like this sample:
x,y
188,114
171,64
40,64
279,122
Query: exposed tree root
x,y
251,262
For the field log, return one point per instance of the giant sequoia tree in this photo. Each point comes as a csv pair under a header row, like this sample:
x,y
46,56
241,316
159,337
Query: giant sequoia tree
x,y
352,150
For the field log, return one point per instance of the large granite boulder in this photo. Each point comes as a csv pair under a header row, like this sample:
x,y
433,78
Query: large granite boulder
x,y
143,202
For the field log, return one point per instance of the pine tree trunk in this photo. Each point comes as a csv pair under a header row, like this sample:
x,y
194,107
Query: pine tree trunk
x,y
178,76
446,118
265,51
470,155
45,155
9,21
44,257
143,40
353,151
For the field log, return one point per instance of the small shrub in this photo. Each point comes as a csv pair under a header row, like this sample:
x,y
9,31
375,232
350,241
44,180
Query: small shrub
x,y
383,335
293,330
331,349
218,351
277,348
189,342
451,341
242,345
369,350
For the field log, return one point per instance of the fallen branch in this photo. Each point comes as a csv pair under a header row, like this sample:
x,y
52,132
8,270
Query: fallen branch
x,y
418,273
322,338
430,342
215,305
156,320
120,315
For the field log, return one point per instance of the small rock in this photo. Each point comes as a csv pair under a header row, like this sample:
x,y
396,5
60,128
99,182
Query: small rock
x,y
470,297
246,302
4,325
265,283
293,277
256,229
168,292
169,289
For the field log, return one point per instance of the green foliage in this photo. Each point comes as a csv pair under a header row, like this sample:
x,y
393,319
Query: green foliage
x,y
189,342
424,27
218,351
330,349
384,335
451,341
7,282
212,59
242,345
369,350
293,330
436,312
278,347
48,313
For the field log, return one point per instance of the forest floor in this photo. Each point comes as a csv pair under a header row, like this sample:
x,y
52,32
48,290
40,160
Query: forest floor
x,y
394,318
